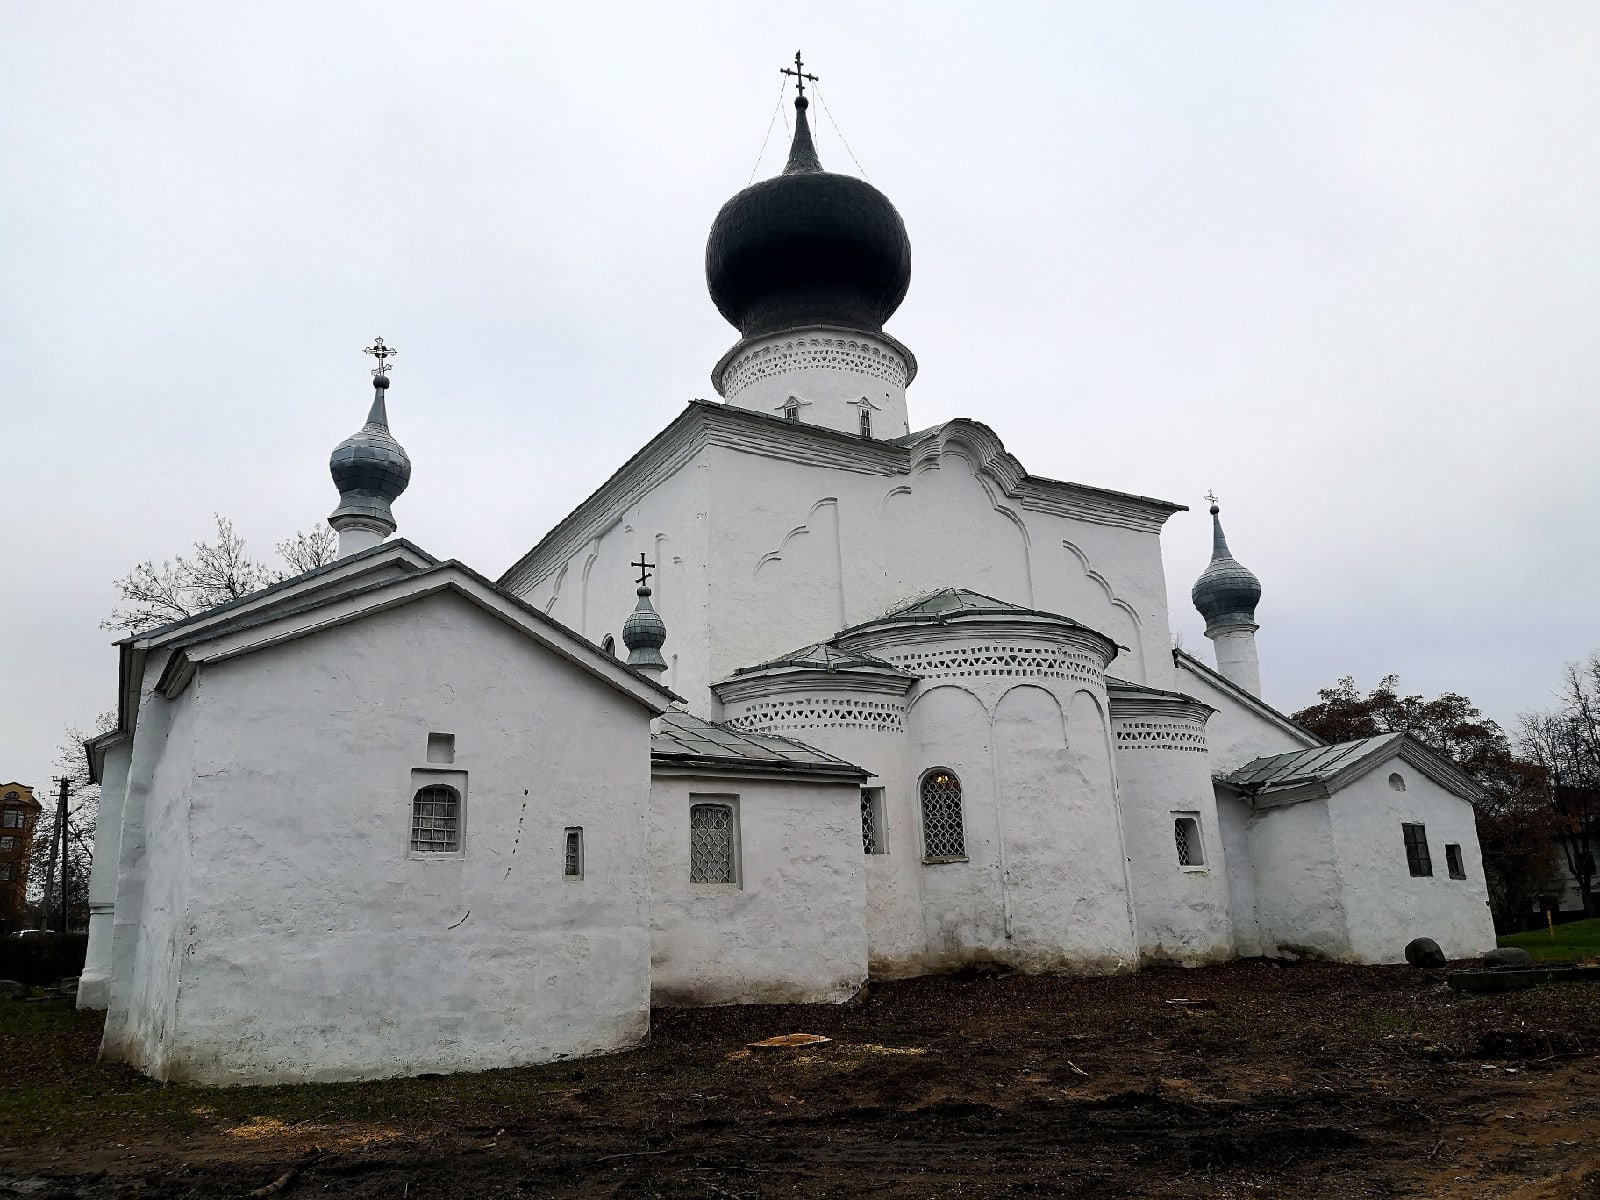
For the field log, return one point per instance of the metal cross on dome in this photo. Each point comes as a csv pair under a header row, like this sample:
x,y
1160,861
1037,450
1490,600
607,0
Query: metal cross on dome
x,y
1211,497
799,74
644,570
382,353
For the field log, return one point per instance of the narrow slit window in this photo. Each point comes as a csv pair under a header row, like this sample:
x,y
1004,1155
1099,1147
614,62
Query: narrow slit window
x,y
1417,857
943,836
572,861
1186,835
872,821
436,819
866,421
711,848
1452,859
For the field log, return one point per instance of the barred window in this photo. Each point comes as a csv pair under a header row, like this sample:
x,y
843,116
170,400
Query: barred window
x,y
942,835
1417,858
436,819
791,412
1452,860
872,821
7,844
572,860
866,421
1186,833
711,846
12,818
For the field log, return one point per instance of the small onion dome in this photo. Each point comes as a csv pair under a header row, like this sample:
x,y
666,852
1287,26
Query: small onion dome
x,y
808,247
1227,591
644,633
369,467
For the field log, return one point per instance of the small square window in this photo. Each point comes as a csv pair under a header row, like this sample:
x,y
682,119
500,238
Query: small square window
x,y
791,412
1417,857
1452,859
872,832
7,845
441,747
8,871
572,862
1186,835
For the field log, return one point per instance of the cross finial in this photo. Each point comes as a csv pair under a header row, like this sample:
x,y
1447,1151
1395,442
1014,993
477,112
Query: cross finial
x,y
1211,497
799,74
382,353
644,570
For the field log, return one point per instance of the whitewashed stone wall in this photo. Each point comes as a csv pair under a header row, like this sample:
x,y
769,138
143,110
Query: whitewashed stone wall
x,y
1236,733
1233,822
1299,888
829,374
1182,913
94,984
792,930
1386,905
310,941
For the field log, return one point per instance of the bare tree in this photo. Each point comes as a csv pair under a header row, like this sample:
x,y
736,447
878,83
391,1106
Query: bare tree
x,y
71,886
214,573
1565,742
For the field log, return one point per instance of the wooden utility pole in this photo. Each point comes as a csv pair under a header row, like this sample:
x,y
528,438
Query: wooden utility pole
x,y
58,854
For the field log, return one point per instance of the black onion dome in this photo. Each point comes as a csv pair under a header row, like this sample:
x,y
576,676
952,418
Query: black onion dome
x,y
1227,590
808,247
369,467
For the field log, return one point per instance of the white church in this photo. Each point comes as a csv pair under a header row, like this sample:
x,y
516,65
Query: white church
x,y
885,704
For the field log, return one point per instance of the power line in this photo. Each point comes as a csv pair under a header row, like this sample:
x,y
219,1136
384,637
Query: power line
x,y
783,85
818,90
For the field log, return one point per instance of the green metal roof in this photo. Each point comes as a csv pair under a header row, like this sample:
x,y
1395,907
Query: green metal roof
x,y
823,656
1316,765
680,737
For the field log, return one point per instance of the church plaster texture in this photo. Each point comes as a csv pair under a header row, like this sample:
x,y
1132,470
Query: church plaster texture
x,y
256,817
845,608
792,929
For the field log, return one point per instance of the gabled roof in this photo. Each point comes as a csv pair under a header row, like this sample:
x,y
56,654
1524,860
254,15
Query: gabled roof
x,y
1185,661
1323,770
385,576
681,739
824,656
1320,763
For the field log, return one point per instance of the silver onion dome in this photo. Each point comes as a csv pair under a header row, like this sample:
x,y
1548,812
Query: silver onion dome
x,y
1227,591
644,633
369,467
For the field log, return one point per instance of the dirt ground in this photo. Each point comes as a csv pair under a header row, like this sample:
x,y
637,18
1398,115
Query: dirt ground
x,y
1311,1081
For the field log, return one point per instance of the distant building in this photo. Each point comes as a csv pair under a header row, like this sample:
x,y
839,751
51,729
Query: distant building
x,y
19,813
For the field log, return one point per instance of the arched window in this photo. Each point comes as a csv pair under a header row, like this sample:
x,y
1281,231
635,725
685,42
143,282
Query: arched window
x,y
12,796
436,819
942,835
609,645
712,857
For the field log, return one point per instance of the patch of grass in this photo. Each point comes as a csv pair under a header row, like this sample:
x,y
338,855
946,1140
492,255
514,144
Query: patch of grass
x,y
1575,939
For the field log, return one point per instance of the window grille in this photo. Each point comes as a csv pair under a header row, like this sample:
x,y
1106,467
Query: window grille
x,y
1417,857
791,412
711,843
436,819
1186,833
871,823
7,845
942,835
1452,860
572,862
866,421
12,818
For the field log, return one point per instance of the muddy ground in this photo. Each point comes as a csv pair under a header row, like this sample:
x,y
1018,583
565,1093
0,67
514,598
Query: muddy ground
x,y
1310,1081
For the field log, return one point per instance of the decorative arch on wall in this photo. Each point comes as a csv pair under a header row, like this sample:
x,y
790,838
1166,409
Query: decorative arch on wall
x,y
776,553
555,590
1135,625
583,595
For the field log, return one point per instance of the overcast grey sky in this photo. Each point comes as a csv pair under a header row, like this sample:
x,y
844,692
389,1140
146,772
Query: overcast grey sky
x,y
1340,262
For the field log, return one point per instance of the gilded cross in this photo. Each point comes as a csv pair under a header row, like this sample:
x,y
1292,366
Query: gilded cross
x,y
799,74
644,570
382,353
